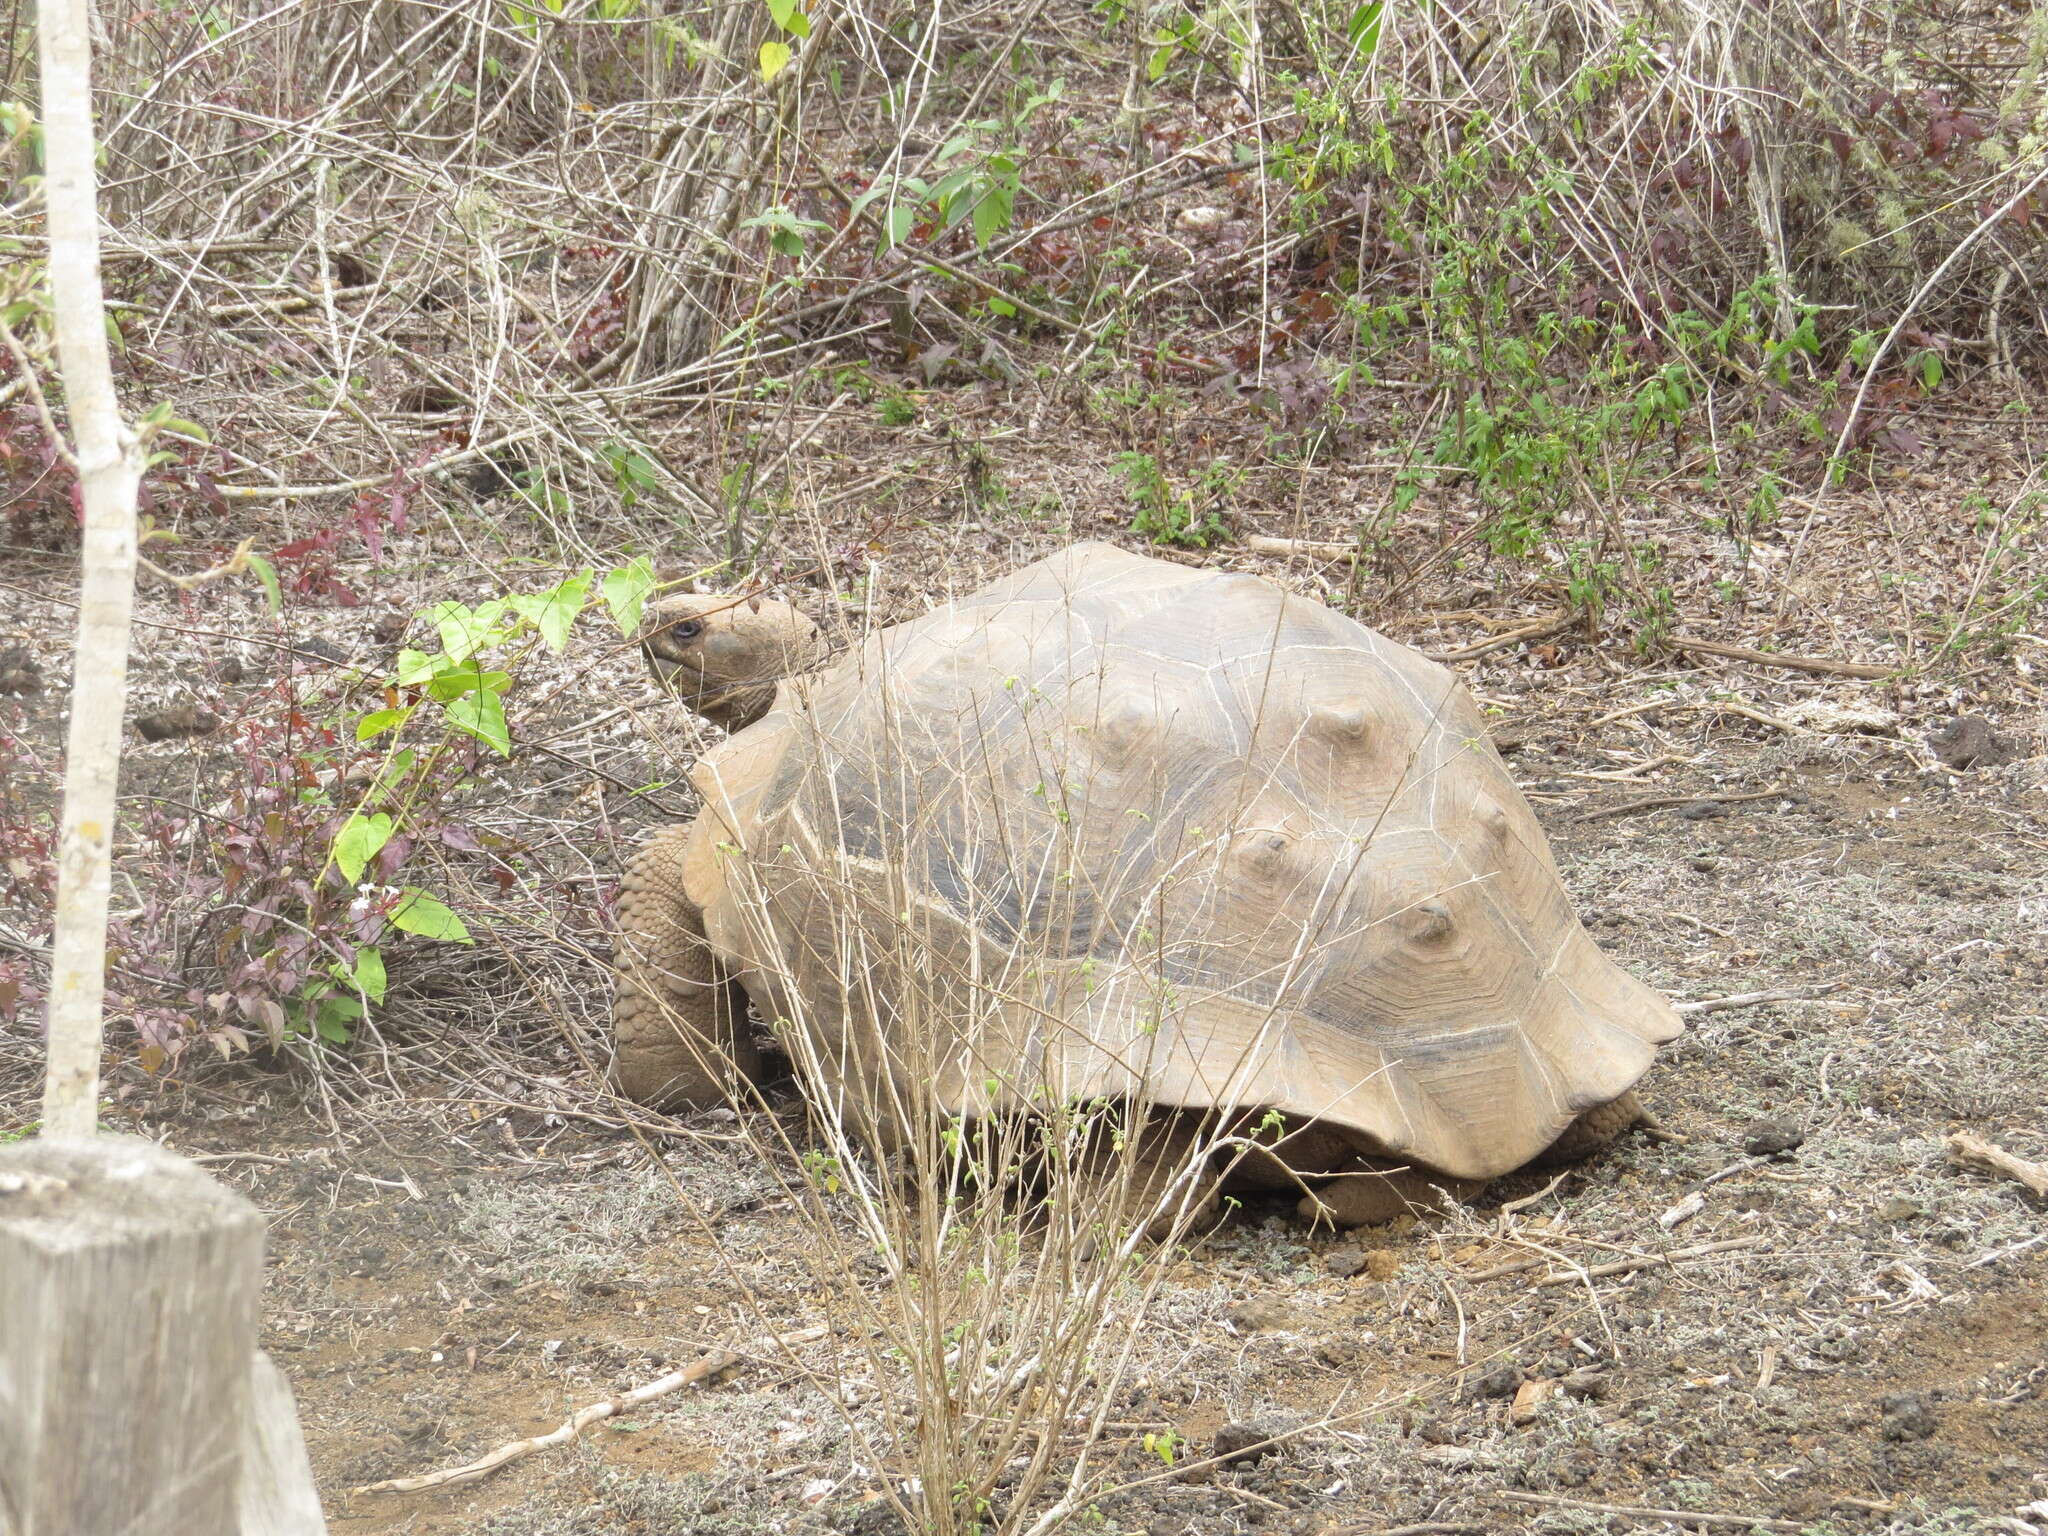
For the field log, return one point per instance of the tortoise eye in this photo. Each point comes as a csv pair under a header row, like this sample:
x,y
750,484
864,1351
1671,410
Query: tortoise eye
x,y
687,629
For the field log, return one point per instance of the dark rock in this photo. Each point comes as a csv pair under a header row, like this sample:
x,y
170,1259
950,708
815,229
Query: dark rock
x,y
1240,1444
1970,742
390,627
19,673
179,720
1259,1315
1338,1353
1345,1262
1586,1381
1703,810
1906,1416
1499,1379
1771,1135
318,651
873,1517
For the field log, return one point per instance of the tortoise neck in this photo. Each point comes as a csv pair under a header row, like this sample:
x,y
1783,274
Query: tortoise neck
x,y
738,708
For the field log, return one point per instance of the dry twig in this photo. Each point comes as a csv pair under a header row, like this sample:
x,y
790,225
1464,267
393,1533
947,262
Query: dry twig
x,y
701,1369
1821,664
1674,802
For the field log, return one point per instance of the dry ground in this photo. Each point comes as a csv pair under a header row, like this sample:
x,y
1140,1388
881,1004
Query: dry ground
x,y
466,1245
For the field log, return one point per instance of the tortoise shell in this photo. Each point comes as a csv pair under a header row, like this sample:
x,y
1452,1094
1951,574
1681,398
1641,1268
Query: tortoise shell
x,y
1115,826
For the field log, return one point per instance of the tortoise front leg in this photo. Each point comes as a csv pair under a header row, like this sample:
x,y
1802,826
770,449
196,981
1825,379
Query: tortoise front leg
x,y
679,1025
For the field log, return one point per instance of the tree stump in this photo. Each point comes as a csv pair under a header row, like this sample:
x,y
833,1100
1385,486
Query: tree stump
x,y
132,1395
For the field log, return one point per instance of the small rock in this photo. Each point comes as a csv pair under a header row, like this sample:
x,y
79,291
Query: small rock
x,y
1338,1354
1970,742
1586,1381
1703,810
318,651
390,627
1201,219
19,673
1501,1379
1898,1208
1255,1316
1529,1397
1382,1264
1906,1416
1239,1444
1345,1262
179,720
1771,1135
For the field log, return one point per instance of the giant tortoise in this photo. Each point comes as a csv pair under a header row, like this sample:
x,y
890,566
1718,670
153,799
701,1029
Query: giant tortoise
x,y
1113,827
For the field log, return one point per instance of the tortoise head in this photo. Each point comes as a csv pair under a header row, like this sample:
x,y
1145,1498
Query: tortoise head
x,y
723,655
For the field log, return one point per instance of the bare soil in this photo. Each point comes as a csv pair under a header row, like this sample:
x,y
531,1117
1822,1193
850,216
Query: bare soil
x,y
468,1243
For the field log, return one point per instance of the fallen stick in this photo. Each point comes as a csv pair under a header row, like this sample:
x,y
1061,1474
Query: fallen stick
x,y
1540,629
1645,1261
1636,1512
1975,1152
1822,664
1320,549
705,1366
1650,1261
1671,802
1755,999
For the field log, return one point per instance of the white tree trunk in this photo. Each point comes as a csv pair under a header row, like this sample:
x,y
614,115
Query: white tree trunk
x,y
110,469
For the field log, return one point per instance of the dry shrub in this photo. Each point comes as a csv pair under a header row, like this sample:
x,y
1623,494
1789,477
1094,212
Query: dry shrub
x,y
1631,162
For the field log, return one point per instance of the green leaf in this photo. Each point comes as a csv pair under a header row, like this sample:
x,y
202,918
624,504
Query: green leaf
x,y
1002,307
415,667
378,721
336,1013
266,573
358,841
774,58
553,612
799,25
451,682
370,976
991,217
902,220
482,714
625,592
1363,29
465,631
419,913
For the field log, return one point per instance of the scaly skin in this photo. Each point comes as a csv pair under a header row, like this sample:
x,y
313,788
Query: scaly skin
x,y
679,1025
1592,1131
